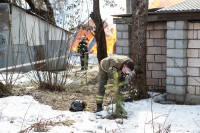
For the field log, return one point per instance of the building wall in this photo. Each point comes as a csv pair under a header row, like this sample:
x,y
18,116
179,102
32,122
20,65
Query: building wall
x,y
193,69
173,57
156,55
123,42
177,44
156,51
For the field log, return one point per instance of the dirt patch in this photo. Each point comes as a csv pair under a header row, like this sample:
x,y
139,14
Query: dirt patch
x,y
83,87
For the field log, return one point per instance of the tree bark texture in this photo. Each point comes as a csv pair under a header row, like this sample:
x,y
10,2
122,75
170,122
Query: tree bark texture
x,y
99,31
138,47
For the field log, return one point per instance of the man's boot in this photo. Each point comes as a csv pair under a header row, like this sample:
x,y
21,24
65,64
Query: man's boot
x,y
99,107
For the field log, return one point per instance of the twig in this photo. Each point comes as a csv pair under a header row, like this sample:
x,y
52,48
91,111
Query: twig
x,y
167,117
196,122
26,113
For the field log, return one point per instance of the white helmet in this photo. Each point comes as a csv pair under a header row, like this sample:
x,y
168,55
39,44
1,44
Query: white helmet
x,y
83,38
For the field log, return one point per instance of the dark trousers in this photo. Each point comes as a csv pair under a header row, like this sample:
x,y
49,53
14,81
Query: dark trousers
x,y
84,61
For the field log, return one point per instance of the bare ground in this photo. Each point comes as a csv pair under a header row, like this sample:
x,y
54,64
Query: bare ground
x,y
83,87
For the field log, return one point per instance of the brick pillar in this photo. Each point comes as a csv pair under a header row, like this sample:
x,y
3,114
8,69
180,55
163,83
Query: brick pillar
x,y
177,43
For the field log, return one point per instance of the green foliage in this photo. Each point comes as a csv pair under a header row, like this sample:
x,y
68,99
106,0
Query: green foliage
x,y
119,111
119,106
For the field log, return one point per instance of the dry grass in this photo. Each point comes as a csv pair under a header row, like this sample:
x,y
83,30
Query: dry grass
x,y
44,125
5,90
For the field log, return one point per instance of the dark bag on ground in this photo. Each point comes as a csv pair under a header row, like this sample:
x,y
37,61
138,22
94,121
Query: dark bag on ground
x,y
77,106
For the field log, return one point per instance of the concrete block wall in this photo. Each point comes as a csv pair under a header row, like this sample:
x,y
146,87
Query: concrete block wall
x,y
193,69
177,62
156,55
156,51
123,42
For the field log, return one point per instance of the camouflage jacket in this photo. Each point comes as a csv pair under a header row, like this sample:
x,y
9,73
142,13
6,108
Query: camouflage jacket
x,y
116,61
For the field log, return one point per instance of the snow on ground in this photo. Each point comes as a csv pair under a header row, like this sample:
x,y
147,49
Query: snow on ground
x,y
144,116
19,112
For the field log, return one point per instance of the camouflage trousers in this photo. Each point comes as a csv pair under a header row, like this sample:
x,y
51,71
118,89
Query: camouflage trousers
x,y
102,79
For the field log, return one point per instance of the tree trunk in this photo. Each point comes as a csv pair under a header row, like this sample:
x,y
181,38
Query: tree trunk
x,y
138,48
99,31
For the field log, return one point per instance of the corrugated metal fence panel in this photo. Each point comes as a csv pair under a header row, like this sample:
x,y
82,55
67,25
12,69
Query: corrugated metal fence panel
x,y
32,27
4,32
18,26
43,30
4,16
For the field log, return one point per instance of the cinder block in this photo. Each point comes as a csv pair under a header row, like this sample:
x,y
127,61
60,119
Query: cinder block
x,y
148,74
170,62
125,35
118,50
197,26
193,62
192,99
176,72
170,25
154,50
149,42
123,42
177,34
181,44
192,53
195,34
179,53
126,50
160,58
190,25
181,25
150,26
163,82
160,42
197,90
193,71
198,34
154,66
180,81
148,34
178,90
191,90
170,44
122,27
170,80
163,66
160,25
190,34
194,44
119,35
157,34
164,50
152,81
194,81
150,58
181,62
158,74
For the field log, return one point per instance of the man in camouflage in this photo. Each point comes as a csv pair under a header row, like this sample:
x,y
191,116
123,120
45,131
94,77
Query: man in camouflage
x,y
123,65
